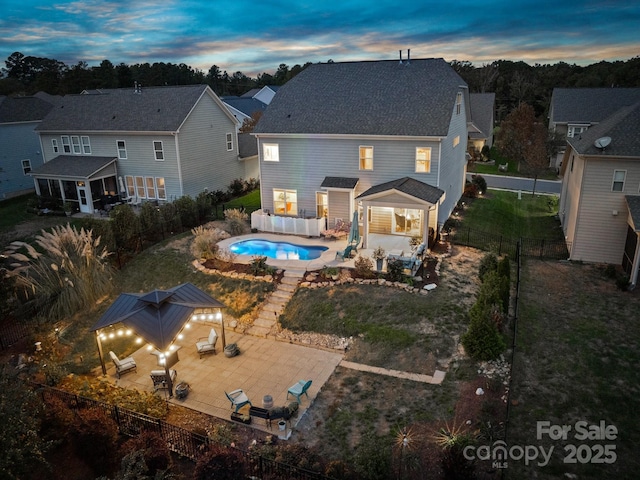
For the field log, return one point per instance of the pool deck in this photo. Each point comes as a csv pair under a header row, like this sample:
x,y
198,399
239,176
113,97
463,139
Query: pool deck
x,y
327,258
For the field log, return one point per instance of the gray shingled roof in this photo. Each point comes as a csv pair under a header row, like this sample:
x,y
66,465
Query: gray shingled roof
x,y
247,145
633,203
245,105
79,166
482,106
155,109
157,316
366,98
410,186
340,182
589,105
624,129
23,109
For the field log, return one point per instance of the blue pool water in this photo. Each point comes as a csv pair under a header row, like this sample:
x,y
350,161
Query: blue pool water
x,y
277,250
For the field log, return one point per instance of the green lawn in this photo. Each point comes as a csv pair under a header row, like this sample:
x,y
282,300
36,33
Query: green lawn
x,y
250,201
501,212
14,211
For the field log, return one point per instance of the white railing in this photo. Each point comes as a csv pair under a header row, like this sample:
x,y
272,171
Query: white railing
x,y
309,227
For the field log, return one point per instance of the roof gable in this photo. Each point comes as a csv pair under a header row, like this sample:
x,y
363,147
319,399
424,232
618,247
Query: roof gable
x,y
589,105
366,98
409,186
150,109
23,109
623,127
482,106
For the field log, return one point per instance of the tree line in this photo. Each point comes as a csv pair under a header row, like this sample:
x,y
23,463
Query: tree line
x,y
513,82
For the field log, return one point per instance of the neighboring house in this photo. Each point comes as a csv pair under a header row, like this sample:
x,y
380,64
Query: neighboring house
x,y
19,143
385,138
264,94
152,143
482,106
600,201
248,148
243,108
574,110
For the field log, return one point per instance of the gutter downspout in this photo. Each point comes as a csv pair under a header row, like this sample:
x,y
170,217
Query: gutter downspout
x,y
175,136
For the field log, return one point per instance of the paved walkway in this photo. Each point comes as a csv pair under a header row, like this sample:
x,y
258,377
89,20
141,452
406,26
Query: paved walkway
x,y
435,379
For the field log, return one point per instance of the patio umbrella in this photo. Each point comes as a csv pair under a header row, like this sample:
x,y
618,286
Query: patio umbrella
x,y
354,232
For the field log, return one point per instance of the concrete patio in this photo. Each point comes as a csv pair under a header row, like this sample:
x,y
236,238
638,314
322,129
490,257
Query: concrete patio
x,y
264,367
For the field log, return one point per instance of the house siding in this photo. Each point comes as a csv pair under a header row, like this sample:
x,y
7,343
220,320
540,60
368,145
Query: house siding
x,y
205,161
599,235
305,162
140,159
18,142
452,175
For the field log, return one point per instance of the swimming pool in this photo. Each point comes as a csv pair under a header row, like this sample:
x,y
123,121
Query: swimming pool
x,y
277,250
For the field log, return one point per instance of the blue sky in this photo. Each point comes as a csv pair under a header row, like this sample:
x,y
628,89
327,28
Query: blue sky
x,y
257,36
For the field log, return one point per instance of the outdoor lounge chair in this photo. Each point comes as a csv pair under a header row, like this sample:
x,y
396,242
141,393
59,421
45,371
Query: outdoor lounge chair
x,y
299,389
206,345
346,253
238,399
123,366
159,378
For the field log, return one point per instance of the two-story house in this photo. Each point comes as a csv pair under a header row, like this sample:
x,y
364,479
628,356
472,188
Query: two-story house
x,y
600,200
384,138
482,107
573,110
19,143
153,143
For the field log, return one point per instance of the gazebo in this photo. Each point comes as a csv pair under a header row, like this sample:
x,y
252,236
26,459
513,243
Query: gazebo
x,y
158,317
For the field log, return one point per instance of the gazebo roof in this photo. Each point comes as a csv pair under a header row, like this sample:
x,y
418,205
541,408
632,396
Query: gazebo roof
x,y
157,316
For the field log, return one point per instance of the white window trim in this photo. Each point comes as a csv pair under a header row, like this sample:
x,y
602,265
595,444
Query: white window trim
x,y
326,196
24,168
141,190
130,184
66,145
163,188
571,129
624,179
86,147
426,170
459,103
270,152
161,151
147,187
54,145
360,157
286,192
124,143
75,142
229,140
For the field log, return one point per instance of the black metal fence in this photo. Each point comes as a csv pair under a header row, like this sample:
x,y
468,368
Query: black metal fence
x,y
183,442
503,245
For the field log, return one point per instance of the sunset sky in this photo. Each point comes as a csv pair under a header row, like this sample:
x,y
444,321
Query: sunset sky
x,y
255,37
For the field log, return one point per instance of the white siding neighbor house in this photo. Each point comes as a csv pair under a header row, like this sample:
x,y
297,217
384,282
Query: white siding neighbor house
x,y
19,142
600,200
138,144
384,138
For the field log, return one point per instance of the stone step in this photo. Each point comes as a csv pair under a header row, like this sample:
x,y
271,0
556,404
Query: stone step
x,y
265,322
290,280
282,294
257,331
294,273
273,307
287,288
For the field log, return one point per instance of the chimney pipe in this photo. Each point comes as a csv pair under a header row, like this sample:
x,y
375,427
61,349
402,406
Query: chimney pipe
x,y
408,56
400,56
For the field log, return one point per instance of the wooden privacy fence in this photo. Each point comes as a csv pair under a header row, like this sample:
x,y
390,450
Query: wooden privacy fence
x,y
503,245
183,442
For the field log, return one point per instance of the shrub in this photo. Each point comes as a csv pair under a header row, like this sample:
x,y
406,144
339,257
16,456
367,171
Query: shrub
x,y
486,152
170,217
95,436
205,241
329,272
187,210
622,282
504,268
219,462
154,449
489,263
57,418
236,221
395,270
237,187
259,266
101,230
482,340
479,182
372,459
125,225
204,204
364,267
150,219
470,190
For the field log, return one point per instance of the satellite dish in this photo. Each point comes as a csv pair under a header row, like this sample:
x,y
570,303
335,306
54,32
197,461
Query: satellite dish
x,y
602,142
